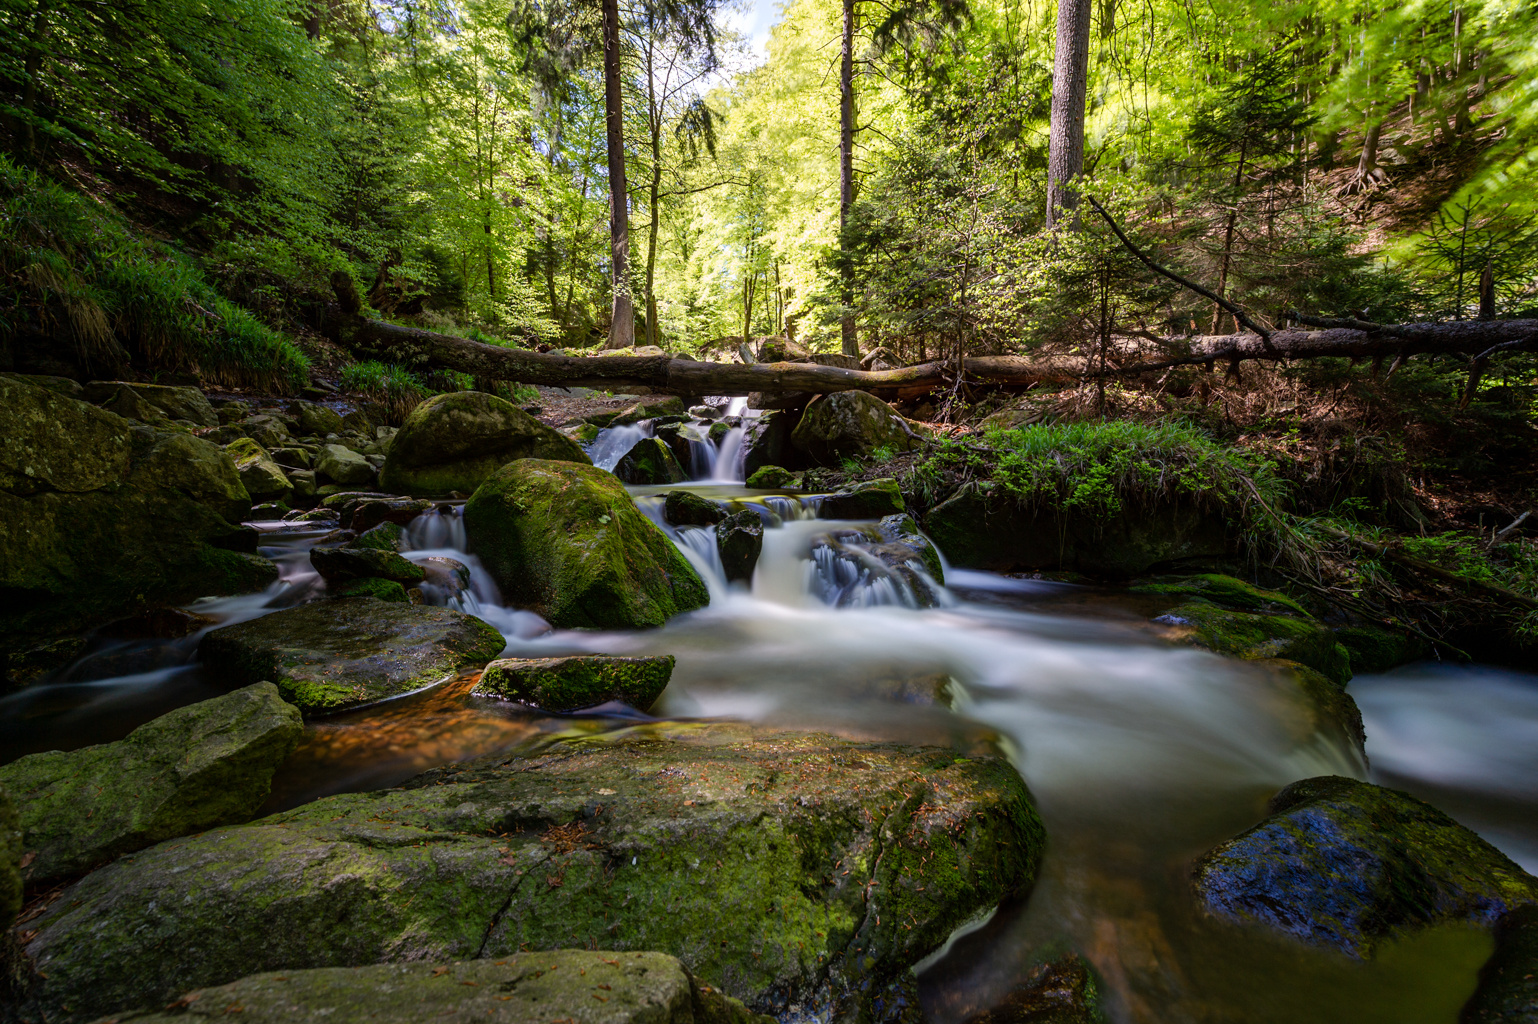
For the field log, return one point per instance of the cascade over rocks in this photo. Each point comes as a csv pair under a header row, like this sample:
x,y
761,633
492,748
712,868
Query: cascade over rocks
x,y
202,765
568,984
577,682
800,873
981,527
851,425
566,541
1347,864
100,516
332,655
453,442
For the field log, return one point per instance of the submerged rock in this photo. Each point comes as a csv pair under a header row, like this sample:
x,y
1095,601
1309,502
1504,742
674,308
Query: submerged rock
x,y
1253,636
569,984
1063,991
800,873
100,516
566,541
980,528
739,541
650,461
577,682
871,499
685,508
206,764
332,655
1347,864
453,442
851,425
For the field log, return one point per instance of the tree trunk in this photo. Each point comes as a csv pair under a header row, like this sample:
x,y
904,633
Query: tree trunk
x,y
622,322
1228,239
848,338
1070,84
653,200
33,71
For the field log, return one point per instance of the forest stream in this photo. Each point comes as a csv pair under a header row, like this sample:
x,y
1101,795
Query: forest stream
x,y
1139,755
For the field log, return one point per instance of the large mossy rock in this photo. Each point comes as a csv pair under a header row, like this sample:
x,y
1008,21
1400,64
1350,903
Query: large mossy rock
x,y
152,403
331,655
685,508
870,499
579,681
1375,649
983,528
650,461
1347,864
453,442
343,465
851,425
768,442
260,475
206,764
739,542
795,872
1254,636
100,516
344,564
524,988
565,540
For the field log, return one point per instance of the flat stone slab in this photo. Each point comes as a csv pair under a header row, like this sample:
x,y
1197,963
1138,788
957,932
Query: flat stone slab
x,y
331,655
799,872
575,986
580,681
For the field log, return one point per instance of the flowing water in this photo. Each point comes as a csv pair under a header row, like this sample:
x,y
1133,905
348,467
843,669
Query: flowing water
x,y
1139,756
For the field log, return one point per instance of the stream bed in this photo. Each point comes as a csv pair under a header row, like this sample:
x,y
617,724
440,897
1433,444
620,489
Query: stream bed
x,y
1140,756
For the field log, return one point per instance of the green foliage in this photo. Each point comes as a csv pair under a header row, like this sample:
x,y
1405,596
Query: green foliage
x,y
396,388
71,269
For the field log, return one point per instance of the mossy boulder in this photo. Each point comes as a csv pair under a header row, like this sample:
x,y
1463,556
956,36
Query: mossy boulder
x,y
262,478
332,655
523,988
739,541
565,540
1375,649
650,461
400,511
383,590
344,564
771,478
151,403
871,499
11,852
851,425
1220,590
768,442
343,465
453,442
1348,865
316,419
651,409
380,537
579,681
799,873
980,527
1252,636
202,765
100,516
685,508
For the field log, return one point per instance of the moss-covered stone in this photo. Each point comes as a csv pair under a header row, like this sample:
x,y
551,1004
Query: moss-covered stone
x,y
799,873
343,465
1225,591
1375,649
219,572
1508,982
871,499
100,516
11,852
770,478
1245,635
384,590
739,541
522,988
579,681
316,419
206,764
566,541
685,508
453,442
400,511
650,461
852,425
152,403
981,528
1347,864
262,478
1333,711
332,655
344,564
652,408
380,537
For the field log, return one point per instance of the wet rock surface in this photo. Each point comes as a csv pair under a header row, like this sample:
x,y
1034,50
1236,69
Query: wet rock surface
x,y
332,655
1255,636
1063,991
1347,865
1508,983
793,871
685,508
576,986
650,461
344,564
206,764
739,541
567,542
579,681
872,499
453,442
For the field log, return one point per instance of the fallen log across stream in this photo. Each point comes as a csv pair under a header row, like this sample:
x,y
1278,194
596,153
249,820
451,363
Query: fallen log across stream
x,y
416,348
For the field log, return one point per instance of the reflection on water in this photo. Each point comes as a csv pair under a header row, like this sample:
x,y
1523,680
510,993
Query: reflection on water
x,y
1139,756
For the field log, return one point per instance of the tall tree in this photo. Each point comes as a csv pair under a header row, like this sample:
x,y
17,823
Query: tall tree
x,y
622,321
1070,87
850,341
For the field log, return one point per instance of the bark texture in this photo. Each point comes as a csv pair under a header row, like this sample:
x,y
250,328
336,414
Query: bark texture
x,y
1070,79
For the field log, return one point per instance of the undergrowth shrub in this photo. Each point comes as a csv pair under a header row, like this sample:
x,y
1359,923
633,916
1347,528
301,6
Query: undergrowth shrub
x,y
394,387
72,272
